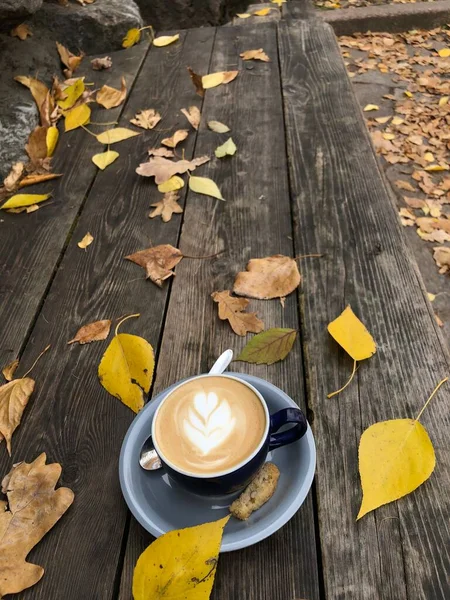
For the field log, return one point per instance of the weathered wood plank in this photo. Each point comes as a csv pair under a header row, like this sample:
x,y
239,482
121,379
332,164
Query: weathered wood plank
x,y
299,9
342,208
71,416
31,245
254,221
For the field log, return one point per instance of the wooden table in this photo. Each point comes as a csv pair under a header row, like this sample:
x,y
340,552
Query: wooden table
x,y
304,180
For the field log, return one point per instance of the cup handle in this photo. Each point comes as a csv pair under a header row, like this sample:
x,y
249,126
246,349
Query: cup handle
x,y
282,417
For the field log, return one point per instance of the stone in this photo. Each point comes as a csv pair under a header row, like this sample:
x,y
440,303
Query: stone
x,y
184,14
11,10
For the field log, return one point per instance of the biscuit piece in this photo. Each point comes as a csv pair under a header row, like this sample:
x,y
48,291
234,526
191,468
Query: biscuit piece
x,y
258,491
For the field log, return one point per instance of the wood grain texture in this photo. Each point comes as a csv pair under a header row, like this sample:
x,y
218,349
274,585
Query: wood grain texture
x,y
342,208
71,416
254,221
31,244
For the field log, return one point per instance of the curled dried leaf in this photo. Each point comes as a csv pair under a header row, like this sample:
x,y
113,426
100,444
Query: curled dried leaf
x,y
71,61
192,114
86,241
161,152
10,369
14,397
109,97
197,81
11,181
166,207
215,79
176,138
101,63
255,55
22,31
157,261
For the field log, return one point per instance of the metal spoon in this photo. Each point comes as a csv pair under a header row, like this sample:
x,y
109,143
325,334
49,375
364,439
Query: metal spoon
x,y
149,459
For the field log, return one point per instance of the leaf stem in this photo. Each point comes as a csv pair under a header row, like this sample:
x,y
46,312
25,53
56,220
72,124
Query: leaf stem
x,y
344,386
433,393
125,319
35,362
107,123
209,255
88,130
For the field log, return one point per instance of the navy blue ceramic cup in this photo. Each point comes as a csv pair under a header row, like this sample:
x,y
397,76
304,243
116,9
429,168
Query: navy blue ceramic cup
x,y
235,479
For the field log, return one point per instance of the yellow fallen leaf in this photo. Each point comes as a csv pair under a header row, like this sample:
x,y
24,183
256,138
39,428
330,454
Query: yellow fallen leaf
x,y
118,134
86,241
428,156
243,15
104,159
51,139
132,37
431,297
72,93
226,149
215,79
109,97
370,107
395,458
262,12
432,168
350,333
397,121
382,119
408,94
171,185
443,100
218,127
126,368
203,185
388,136
444,52
78,116
20,200
279,2
165,40
180,564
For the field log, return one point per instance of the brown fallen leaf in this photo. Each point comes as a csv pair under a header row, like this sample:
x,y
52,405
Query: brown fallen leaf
x,y
221,77
192,114
414,202
266,278
11,181
9,370
37,178
146,119
441,256
197,81
92,332
22,31
161,152
162,169
41,95
14,397
36,147
166,207
176,138
101,63
86,241
438,235
109,97
255,55
71,61
405,185
33,507
158,261
232,309
439,320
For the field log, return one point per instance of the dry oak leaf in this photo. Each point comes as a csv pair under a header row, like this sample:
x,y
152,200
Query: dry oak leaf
x,y
442,258
147,119
33,507
162,169
176,138
215,79
71,61
22,31
232,309
266,278
192,114
158,261
86,241
405,185
109,97
101,63
14,397
11,181
9,370
92,332
197,81
161,152
166,207
255,55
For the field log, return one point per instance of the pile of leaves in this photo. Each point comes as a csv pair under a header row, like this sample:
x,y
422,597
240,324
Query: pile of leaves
x,y
333,4
416,137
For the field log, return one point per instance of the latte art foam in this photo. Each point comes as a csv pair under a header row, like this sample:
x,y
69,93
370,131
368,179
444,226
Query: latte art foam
x,y
210,424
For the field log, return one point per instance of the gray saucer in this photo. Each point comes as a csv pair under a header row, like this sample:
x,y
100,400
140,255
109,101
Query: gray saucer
x,y
160,505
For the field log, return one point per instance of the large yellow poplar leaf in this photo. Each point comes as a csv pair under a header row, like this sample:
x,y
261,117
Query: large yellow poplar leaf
x,y
118,134
20,200
395,457
77,117
180,565
126,369
350,333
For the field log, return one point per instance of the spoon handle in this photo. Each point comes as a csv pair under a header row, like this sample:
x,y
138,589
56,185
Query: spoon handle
x,y
221,363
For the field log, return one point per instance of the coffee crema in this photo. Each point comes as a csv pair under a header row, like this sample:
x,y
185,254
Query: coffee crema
x,y
210,424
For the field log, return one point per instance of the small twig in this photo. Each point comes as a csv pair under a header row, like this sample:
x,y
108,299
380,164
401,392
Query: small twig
x,y
35,362
433,393
309,256
209,256
125,319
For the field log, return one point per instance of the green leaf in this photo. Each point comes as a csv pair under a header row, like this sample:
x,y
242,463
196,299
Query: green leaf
x,y
269,346
228,148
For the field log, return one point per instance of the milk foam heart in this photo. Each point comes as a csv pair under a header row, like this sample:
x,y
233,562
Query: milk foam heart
x,y
210,424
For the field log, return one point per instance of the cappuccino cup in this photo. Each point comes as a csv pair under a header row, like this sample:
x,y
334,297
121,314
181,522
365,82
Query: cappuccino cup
x,y
213,432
